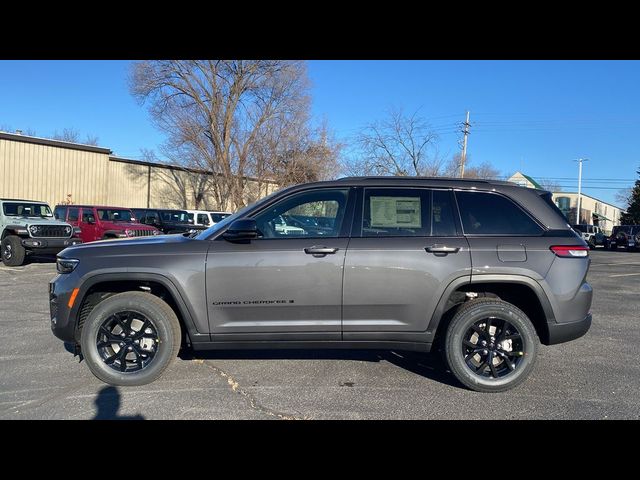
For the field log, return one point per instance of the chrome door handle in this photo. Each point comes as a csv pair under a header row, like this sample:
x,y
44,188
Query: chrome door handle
x,y
442,249
320,251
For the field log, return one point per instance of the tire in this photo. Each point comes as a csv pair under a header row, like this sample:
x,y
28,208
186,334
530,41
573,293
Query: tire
x,y
133,306
13,252
527,344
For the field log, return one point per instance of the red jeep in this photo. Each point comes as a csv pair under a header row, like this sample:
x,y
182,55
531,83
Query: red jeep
x,y
100,223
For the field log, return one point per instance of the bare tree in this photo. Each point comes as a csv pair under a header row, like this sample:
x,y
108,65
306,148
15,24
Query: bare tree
x,y
398,145
623,196
215,112
72,135
484,171
549,185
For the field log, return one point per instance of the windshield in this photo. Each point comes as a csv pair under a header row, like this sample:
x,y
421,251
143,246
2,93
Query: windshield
x,y
113,215
174,216
20,209
239,214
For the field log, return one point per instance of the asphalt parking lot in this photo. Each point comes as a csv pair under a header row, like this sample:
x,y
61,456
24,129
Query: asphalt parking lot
x,y
595,377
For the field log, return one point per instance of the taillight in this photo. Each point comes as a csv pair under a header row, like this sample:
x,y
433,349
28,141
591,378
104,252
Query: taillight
x,y
570,251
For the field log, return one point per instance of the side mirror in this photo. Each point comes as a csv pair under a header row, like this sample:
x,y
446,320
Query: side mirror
x,y
242,229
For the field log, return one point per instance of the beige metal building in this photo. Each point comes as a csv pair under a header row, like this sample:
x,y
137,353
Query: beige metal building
x,y
592,210
58,172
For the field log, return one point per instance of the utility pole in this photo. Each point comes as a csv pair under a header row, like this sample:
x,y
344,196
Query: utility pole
x,y
580,160
463,159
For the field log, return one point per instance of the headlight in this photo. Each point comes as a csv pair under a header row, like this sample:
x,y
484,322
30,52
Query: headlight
x,y
34,229
66,265
156,232
128,233
68,230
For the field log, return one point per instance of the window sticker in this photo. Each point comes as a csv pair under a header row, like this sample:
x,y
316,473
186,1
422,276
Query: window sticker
x,y
399,212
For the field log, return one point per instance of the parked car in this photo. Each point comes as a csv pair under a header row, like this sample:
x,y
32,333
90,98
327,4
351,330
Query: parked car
x,y
592,234
206,218
102,223
394,273
28,227
167,221
627,236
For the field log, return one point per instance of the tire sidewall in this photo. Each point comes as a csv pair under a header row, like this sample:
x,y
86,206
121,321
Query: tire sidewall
x,y
455,358
18,252
161,323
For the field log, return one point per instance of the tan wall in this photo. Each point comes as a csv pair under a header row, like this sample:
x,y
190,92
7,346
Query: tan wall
x,y
41,172
49,173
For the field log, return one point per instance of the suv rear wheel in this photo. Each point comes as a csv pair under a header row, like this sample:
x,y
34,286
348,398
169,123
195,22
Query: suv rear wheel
x,y
13,252
130,338
490,345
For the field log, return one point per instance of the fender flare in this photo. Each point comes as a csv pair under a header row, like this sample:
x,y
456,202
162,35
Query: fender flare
x,y
185,312
13,230
497,278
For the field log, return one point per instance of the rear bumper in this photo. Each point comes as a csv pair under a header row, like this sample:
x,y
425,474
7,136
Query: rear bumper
x,y
564,332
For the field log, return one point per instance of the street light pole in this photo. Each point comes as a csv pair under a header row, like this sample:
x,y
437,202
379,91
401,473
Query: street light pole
x,y
580,160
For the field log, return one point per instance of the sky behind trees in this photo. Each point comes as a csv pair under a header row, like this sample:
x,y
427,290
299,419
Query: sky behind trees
x,y
534,116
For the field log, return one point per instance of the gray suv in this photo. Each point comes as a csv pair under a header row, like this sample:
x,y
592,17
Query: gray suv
x,y
481,270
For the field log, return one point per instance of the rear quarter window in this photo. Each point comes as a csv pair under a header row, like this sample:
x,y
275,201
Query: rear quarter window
x,y
485,213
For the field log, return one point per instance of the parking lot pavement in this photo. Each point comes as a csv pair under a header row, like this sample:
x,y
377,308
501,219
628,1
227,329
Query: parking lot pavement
x,y
595,377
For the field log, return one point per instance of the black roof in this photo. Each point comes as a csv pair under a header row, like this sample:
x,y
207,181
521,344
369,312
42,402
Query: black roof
x,y
408,179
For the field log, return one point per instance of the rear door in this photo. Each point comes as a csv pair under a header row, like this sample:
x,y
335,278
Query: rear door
x,y
406,248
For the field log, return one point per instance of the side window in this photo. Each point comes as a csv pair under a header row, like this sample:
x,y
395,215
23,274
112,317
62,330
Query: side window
x,y
396,212
152,218
318,213
491,214
86,215
73,214
60,213
203,219
442,216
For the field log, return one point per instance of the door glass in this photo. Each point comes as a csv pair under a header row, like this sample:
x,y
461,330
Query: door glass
x,y
396,212
203,219
73,215
442,223
86,215
306,215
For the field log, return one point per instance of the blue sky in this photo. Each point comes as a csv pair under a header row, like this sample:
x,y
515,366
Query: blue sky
x,y
532,115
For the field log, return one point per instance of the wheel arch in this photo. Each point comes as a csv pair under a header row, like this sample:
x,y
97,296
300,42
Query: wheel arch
x,y
155,284
524,292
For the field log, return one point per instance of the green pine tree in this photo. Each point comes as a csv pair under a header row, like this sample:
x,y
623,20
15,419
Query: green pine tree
x,y
632,215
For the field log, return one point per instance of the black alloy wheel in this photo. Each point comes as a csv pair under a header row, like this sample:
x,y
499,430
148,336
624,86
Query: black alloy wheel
x,y
492,348
127,341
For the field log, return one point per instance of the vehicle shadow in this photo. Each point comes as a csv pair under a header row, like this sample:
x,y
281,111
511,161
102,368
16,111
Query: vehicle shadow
x,y
107,404
428,365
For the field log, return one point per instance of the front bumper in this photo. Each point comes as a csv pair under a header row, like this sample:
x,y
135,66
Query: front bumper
x,y
49,245
564,332
62,316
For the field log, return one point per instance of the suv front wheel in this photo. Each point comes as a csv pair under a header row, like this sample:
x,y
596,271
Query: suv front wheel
x,y
13,252
130,338
490,345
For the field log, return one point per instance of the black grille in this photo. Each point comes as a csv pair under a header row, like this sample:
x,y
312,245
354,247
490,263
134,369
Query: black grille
x,y
51,231
141,233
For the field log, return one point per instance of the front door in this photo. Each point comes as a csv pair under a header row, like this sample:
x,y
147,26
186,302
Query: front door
x,y
287,284
407,247
88,225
